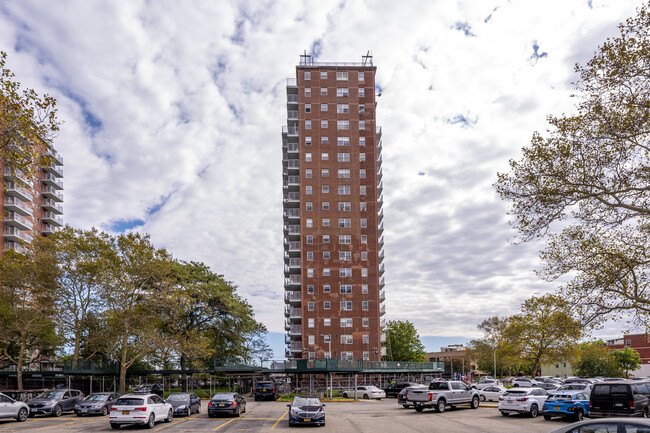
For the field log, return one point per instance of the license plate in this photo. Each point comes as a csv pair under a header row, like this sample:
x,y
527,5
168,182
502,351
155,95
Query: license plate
x,y
307,419
618,404
509,401
556,407
221,404
125,412
264,390
84,410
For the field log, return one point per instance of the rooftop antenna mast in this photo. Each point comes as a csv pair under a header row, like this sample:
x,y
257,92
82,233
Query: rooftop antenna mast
x,y
305,59
367,59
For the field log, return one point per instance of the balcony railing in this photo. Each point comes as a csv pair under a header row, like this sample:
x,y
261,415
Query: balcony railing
x,y
52,193
50,179
294,180
292,196
49,229
292,297
293,147
382,323
56,169
382,310
292,98
382,282
52,218
51,205
382,337
294,263
51,153
14,219
378,131
379,146
18,191
14,234
292,82
381,254
292,280
381,269
15,205
293,164
382,295
292,114
295,329
294,245
292,213
290,130
293,313
295,346
381,241
10,245
380,173
17,174
380,227
294,230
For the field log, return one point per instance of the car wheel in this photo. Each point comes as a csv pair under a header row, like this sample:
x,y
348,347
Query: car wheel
x,y
482,398
516,385
105,410
151,422
345,395
244,407
22,415
170,415
534,411
406,406
475,403
440,407
419,409
256,398
238,412
579,415
365,396
505,413
58,410
547,417
115,426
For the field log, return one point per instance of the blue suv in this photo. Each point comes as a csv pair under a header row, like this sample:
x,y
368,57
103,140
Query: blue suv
x,y
569,404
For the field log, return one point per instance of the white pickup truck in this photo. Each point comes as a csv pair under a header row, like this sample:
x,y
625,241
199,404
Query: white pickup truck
x,y
442,394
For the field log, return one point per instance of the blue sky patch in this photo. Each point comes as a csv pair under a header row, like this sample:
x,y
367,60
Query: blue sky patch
x,y
536,54
465,28
124,225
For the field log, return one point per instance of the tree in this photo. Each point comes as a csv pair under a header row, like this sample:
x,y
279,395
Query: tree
x,y
496,345
627,359
586,185
26,310
595,359
28,123
403,342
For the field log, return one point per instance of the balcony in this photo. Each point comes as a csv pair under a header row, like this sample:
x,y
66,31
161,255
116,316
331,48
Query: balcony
x,y
380,187
380,228
378,131
381,269
293,164
382,282
292,148
291,213
12,204
380,242
290,130
287,324
295,346
49,229
294,230
52,218
380,173
292,99
51,153
382,295
294,263
20,192
52,180
292,298
382,338
10,245
15,220
380,200
292,312
382,310
382,323
293,280
379,146
295,330
292,82
292,114
381,255
294,245
52,206
292,197
56,170
380,214
50,192
293,180
16,235
17,174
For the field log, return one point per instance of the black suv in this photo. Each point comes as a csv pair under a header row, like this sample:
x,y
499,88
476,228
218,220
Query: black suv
x,y
149,389
619,399
265,389
395,388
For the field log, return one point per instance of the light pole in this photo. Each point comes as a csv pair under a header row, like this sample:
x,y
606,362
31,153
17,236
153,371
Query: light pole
x,y
495,362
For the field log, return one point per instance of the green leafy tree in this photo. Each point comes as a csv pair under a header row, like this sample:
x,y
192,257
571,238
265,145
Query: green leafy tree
x,y
595,359
28,123
585,185
403,342
627,359
495,345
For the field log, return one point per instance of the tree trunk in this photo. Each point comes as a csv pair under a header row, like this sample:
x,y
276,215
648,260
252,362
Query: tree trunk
x,y
19,365
123,368
75,355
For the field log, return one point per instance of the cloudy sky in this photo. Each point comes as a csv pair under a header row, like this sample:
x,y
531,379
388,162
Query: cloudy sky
x,y
173,111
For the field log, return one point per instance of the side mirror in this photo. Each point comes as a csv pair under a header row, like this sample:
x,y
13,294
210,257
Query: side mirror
x,y
324,405
288,405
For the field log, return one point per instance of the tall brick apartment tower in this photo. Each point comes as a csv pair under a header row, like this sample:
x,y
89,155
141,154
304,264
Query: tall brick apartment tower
x,y
32,206
333,243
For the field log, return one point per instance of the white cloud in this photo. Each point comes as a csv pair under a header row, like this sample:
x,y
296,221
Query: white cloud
x,y
173,112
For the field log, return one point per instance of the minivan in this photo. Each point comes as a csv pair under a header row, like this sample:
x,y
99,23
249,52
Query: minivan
x,y
609,399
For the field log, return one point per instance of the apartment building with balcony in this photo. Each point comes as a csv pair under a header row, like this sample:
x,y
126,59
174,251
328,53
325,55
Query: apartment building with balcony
x,y
32,206
332,213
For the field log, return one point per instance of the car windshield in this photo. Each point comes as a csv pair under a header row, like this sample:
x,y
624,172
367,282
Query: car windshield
x,y
569,387
264,385
439,385
515,393
560,397
129,401
178,397
306,401
50,394
96,397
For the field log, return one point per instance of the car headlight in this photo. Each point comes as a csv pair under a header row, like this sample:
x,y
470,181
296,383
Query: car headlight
x,y
98,405
181,406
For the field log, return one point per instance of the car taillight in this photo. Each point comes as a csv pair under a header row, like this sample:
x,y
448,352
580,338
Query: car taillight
x,y
570,402
543,407
112,409
522,399
273,389
591,404
143,409
210,404
234,403
632,405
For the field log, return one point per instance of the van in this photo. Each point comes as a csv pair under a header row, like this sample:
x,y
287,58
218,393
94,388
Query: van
x,y
622,398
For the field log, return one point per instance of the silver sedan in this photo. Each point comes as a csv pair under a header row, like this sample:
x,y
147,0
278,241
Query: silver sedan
x,y
10,408
491,393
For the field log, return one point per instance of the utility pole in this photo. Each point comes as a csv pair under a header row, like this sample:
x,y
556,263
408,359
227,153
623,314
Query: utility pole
x,y
495,362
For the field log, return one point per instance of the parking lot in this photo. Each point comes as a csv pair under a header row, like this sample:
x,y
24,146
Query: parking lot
x,y
359,416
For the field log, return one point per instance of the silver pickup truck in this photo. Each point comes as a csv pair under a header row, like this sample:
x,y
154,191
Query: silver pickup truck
x,y
442,394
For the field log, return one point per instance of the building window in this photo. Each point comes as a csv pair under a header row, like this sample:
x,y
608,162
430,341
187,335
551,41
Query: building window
x,y
365,322
345,222
362,124
326,272
308,189
344,157
326,255
326,239
326,288
363,205
327,338
362,92
364,289
362,109
310,306
341,76
366,339
325,172
364,222
309,222
307,75
345,288
307,124
361,77
326,205
323,107
310,255
628,342
325,189
346,306
310,289
324,140
342,108
310,323
344,206
364,255
345,255
307,141
364,272
307,92
325,156
345,239
308,173
346,339
343,141
327,322
307,108
342,92
347,356
362,190
362,173
362,157
308,157
327,305
366,356
364,239
326,222
345,272
346,322
311,339
362,141
364,305
310,273
344,173
309,206
323,75
343,125
344,189
323,91
310,239
323,123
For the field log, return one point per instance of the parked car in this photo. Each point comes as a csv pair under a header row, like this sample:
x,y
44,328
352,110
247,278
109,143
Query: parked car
x,y
579,380
10,408
522,400
306,410
265,389
443,393
140,408
149,388
231,403
365,392
619,399
491,393
184,403
606,425
485,382
575,387
395,388
524,381
54,402
97,403
547,386
402,396
567,404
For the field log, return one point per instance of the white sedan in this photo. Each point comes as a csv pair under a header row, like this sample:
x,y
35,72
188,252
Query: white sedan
x,y
144,409
365,392
10,408
522,400
491,393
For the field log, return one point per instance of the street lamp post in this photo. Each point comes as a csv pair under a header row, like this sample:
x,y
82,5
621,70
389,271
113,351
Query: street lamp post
x,y
495,362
